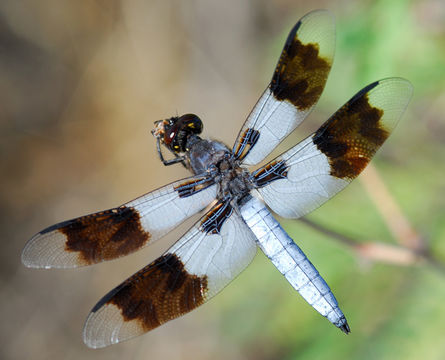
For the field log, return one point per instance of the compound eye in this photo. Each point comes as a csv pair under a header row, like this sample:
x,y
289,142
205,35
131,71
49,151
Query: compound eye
x,y
192,123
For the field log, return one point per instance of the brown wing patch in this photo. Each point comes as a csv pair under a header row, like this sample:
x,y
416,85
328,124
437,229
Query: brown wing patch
x,y
301,73
273,171
104,235
158,293
352,135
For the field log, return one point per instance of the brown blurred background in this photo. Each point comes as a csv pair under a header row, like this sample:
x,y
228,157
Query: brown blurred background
x,y
81,83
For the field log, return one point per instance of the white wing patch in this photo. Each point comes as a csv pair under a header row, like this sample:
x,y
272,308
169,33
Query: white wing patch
x,y
308,183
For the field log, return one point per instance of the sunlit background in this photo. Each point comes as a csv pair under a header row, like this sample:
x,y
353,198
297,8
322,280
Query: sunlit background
x,y
81,83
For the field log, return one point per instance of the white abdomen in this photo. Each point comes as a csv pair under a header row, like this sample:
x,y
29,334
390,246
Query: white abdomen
x,y
290,260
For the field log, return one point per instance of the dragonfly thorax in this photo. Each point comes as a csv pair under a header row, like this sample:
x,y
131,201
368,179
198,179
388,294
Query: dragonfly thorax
x,y
214,157
205,155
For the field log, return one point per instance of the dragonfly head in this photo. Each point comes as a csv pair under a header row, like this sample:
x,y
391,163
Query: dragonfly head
x,y
174,132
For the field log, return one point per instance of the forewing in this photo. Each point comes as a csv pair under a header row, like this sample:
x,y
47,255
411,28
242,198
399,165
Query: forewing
x,y
210,255
297,83
303,178
120,231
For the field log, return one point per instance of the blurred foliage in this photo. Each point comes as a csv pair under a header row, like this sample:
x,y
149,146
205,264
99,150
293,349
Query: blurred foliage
x,y
81,85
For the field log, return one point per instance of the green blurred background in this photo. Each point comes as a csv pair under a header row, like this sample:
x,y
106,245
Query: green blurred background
x,y
81,83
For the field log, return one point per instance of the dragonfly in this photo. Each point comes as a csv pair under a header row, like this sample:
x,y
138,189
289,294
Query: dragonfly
x,y
236,201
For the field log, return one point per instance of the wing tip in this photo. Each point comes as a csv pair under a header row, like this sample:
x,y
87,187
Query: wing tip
x,y
392,95
106,326
379,85
90,332
399,81
403,85
36,254
28,257
90,341
322,17
319,15
94,334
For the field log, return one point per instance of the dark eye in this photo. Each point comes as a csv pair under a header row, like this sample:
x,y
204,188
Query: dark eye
x,y
192,122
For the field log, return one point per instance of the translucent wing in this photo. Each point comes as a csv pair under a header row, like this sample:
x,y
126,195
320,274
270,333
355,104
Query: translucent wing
x,y
197,267
310,173
297,83
120,231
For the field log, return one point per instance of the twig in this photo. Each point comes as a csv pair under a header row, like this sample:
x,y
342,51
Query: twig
x,y
377,251
392,215
346,240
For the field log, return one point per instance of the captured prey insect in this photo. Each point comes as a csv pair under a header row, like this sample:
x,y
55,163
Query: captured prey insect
x,y
225,240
